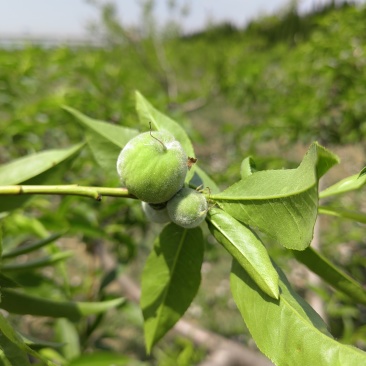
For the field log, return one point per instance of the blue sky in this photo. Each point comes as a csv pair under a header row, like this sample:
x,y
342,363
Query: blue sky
x,y
70,17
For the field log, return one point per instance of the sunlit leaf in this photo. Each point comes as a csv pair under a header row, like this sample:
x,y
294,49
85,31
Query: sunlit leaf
x,y
23,169
246,248
247,167
147,113
281,203
46,167
37,263
348,184
170,280
104,139
31,247
288,331
117,135
67,334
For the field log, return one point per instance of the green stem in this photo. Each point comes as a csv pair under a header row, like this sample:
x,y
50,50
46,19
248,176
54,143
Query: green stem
x,y
72,189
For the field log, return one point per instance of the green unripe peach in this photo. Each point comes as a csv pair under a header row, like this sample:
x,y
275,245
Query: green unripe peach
x,y
153,166
155,213
188,208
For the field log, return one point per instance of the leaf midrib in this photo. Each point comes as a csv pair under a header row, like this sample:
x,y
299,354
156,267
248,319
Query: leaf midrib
x,y
221,197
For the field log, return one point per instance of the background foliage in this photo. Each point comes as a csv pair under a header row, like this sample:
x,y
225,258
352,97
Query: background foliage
x,y
266,90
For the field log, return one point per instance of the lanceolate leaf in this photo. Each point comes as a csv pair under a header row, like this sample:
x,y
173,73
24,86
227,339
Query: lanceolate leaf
x,y
41,168
348,184
23,169
147,113
118,135
247,167
331,274
246,248
281,203
19,303
30,247
170,279
288,330
104,139
344,214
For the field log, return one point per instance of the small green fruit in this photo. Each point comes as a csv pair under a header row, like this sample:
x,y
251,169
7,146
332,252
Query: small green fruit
x,y
188,208
153,166
155,213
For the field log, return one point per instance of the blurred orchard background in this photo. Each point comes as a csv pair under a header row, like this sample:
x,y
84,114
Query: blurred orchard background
x,y
266,82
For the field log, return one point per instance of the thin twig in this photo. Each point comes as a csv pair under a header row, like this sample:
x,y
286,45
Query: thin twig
x,y
64,190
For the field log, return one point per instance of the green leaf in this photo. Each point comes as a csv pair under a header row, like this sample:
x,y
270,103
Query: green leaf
x,y
41,168
281,203
66,333
246,248
344,214
331,274
14,347
348,184
288,331
105,140
20,303
170,280
23,169
118,135
247,167
37,263
7,282
13,353
105,153
24,249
